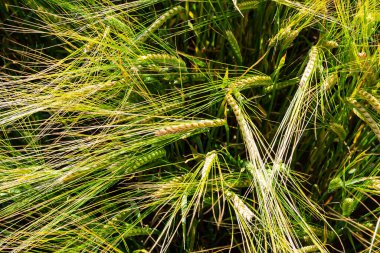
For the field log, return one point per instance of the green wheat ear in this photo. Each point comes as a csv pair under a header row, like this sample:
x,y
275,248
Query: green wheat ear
x,y
335,183
248,5
145,159
185,127
235,47
248,82
159,22
348,206
339,131
308,249
282,85
161,59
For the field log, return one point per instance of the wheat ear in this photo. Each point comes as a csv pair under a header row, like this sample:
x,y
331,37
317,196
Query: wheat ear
x,y
371,99
152,156
161,58
209,161
170,186
330,81
348,206
252,81
307,249
190,126
363,114
339,131
248,5
159,22
71,175
330,44
287,35
244,127
281,85
235,46
240,207
310,65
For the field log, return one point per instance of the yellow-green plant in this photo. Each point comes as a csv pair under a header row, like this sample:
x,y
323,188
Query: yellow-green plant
x,y
185,126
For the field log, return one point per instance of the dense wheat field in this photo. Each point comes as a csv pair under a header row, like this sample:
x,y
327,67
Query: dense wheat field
x,y
190,126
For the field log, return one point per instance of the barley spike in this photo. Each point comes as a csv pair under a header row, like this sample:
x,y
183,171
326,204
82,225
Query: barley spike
x,y
240,207
313,56
235,46
248,5
209,161
190,126
366,117
371,99
159,22
252,81
307,249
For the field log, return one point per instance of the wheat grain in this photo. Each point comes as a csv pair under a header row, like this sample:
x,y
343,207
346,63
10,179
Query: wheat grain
x,y
190,126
